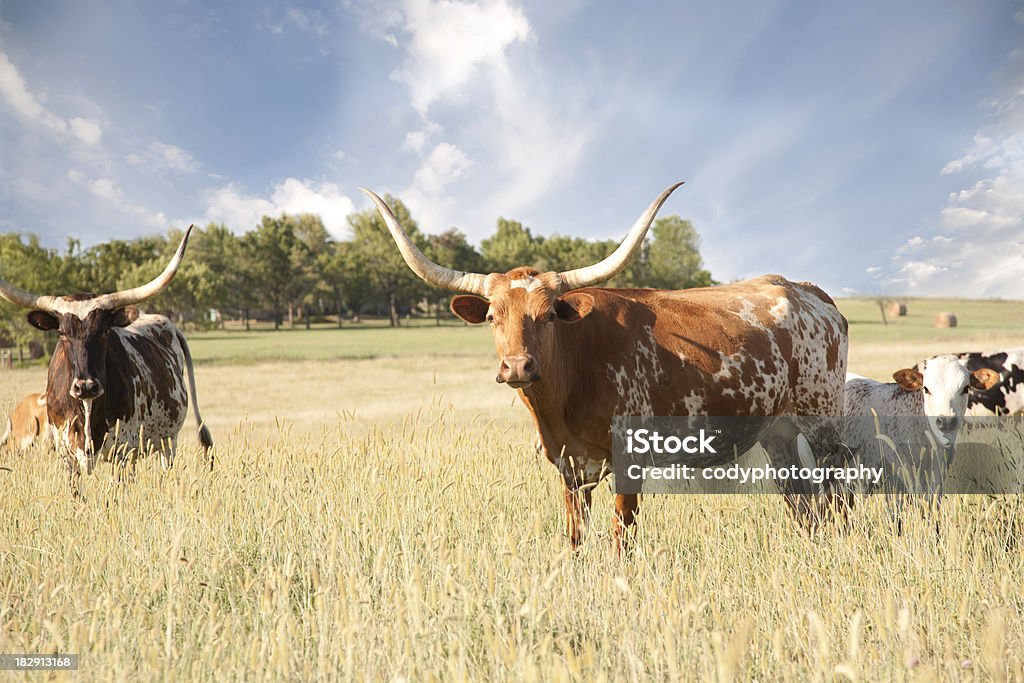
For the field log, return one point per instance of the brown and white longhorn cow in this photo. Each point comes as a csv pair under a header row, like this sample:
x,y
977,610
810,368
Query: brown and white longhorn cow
x,y
115,381
26,423
580,355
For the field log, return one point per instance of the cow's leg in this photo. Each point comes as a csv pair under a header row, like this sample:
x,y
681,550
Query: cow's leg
x,y
168,449
74,476
577,513
627,507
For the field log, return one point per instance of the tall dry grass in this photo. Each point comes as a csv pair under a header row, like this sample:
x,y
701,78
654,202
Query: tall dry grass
x,y
388,519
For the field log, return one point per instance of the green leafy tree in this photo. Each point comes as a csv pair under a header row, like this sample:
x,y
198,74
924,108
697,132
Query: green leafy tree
x,y
376,255
673,260
313,243
450,249
511,246
25,263
268,252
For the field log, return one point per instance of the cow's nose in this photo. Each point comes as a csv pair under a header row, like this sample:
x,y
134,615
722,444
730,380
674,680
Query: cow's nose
x,y
86,388
519,371
946,424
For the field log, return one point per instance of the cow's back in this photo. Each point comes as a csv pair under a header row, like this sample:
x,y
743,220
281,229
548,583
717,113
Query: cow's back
x,y
765,346
153,381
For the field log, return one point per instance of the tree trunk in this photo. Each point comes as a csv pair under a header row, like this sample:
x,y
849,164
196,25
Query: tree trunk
x,y
305,314
339,313
245,317
393,310
277,321
437,314
291,316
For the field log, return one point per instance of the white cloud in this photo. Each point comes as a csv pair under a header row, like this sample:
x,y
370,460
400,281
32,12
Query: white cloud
x,y
161,156
468,65
310,21
243,212
980,251
427,198
27,107
450,42
111,193
443,165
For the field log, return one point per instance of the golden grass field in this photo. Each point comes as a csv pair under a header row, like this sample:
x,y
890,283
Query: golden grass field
x,y
387,518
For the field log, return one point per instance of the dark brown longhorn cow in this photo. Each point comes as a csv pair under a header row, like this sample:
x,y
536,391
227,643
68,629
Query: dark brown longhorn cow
x,y
579,355
115,382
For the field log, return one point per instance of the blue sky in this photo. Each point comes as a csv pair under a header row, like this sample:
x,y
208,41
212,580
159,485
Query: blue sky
x,y
869,147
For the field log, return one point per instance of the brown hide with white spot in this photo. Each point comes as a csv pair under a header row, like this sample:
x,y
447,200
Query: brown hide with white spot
x,y
144,402
763,347
580,355
115,382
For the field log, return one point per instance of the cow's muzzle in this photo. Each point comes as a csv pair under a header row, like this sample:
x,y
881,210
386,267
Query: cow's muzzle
x,y
947,424
86,389
518,371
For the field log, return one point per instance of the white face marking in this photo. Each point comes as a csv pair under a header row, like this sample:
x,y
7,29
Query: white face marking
x,y
946,380
79,309
529,284
87,409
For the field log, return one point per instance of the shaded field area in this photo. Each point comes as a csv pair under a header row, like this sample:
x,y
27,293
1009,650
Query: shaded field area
x,y
327,342
876,350
385,516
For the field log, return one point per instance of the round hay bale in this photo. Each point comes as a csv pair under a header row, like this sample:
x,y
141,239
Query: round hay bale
x,y
35,350
945,319
896,309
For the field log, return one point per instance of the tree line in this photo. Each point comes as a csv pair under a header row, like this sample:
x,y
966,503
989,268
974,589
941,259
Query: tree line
x,y
290,270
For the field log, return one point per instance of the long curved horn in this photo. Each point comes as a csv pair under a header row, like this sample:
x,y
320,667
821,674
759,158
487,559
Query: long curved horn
x,y
128,297
428,270
620,258
20,297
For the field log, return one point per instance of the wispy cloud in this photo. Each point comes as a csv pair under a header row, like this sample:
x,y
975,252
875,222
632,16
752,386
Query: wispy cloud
x,y
242,212
451,43
110,192
29,110
160,156
478,107
978,246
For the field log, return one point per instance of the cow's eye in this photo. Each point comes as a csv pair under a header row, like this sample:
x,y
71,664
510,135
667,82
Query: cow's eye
x,y
490,318
551,316
966,389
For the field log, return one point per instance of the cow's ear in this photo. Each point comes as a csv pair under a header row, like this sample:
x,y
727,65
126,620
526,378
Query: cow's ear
x,y
123,317
909,379
983,379
574,306
471,308
41,320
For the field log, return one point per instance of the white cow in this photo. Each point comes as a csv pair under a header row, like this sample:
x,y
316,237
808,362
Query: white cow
x,y
919,415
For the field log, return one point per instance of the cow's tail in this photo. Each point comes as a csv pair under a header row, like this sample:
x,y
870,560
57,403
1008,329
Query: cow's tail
x,y
205,440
